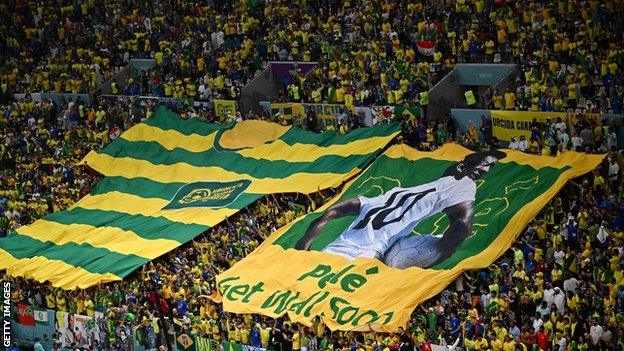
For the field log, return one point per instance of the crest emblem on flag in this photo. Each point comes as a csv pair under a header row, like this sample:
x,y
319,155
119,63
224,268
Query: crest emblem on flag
x,y
207,194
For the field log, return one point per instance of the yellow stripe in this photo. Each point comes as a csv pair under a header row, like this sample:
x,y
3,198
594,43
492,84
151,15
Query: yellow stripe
x,y
279,150
135,205
114,239
185,173
251,133
61,274
570,158
170,139
448,152
454,152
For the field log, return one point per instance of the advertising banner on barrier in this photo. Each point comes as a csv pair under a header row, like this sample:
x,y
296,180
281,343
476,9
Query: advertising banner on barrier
x,y
366,114
330,113
397,235
188,342
26,334
325,113
507,124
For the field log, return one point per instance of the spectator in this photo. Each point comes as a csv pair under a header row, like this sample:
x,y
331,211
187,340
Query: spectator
x,y
514,144
595,331
614,172
486,130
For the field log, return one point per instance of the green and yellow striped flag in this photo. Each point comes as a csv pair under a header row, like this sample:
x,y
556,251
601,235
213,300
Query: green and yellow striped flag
x,y
167,181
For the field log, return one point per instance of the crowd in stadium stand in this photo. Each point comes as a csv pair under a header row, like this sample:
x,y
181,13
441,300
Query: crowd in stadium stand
x,y
570,52
76,46
560,287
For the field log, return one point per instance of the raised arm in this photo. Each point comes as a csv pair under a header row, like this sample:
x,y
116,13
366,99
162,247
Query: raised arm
x,y
349,207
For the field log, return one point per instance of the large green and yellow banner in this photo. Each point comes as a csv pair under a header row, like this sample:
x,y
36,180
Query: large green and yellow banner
x,y
168,180
397,235
507,124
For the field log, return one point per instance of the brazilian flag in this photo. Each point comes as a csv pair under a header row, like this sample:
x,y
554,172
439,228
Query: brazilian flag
x,y
168,180
411,112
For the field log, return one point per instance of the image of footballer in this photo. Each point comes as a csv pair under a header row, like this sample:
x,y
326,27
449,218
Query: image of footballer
x,y
384,223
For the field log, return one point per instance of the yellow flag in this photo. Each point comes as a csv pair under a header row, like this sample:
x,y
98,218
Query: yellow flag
x,y
224,107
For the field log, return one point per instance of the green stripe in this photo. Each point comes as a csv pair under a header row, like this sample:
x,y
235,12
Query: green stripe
x,y
139,186
168,120
146,188
329,138
232,161
146,227
92,259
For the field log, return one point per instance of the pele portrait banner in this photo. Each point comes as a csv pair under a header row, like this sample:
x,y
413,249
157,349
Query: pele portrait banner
x,y
397,235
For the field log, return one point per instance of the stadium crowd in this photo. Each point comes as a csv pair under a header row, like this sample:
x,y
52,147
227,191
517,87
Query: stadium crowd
x,y
570,52
560,287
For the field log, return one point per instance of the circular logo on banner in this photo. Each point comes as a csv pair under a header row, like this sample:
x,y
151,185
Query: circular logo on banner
x,y
208,194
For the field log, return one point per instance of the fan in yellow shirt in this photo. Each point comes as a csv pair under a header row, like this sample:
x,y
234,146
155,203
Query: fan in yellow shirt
x,y
496,344
509,344
510,100
497,100
481,343
296,338
500,330
89,307
265,335
244,332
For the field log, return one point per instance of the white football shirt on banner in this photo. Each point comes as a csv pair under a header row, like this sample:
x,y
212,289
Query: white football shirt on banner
x,y
391,216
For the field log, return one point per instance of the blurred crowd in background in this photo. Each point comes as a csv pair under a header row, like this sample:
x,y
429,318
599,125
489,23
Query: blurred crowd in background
x,y
560,287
